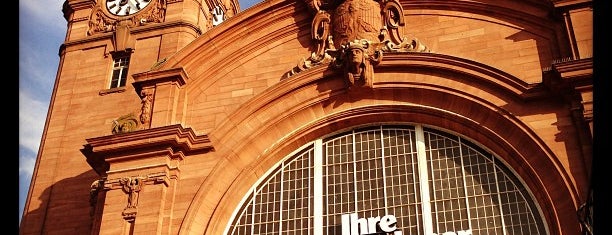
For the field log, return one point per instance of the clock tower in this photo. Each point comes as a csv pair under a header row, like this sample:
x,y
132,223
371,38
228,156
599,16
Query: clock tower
x,y
107,41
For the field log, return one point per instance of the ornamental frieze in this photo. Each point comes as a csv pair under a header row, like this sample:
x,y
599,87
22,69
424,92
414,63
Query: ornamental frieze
x,y
101,21
352,35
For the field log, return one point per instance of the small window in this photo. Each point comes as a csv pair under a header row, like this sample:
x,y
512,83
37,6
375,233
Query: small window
x,y
120,71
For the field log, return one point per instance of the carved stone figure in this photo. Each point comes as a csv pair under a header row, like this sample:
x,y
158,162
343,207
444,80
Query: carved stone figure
x,y
358,58
145,110
131,186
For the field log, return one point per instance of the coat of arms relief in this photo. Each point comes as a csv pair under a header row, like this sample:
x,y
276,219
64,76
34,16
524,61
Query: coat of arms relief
x,y
354,34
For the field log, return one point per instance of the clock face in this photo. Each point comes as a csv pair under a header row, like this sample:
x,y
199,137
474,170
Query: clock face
x,y
126,7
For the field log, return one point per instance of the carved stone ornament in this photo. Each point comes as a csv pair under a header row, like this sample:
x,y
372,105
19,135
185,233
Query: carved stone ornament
x,y
130,122
94,190
353,34
131,186
101,21
126,123
146,96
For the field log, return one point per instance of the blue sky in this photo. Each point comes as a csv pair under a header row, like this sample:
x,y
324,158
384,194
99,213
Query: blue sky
x,y
42,29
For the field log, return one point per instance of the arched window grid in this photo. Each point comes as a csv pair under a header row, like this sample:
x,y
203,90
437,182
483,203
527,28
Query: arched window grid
x,y
379,170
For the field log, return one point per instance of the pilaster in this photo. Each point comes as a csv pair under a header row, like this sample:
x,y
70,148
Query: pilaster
x,y
578,20
77,13
163,90
140,173
573,81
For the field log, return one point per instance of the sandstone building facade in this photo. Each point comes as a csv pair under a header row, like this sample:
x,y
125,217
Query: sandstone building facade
x,y
319,117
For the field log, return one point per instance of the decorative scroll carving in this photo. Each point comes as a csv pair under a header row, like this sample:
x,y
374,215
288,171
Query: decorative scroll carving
x,y
101,21
125,123
353,34
155,14
146,96
130,122
131,186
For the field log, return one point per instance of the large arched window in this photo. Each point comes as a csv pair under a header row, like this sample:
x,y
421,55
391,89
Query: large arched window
x,y
430,181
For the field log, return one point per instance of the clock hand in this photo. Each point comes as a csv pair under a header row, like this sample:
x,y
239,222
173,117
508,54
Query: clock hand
x,y
118,11
135,4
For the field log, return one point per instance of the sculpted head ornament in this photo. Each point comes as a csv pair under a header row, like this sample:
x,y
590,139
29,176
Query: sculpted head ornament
x,y
353,35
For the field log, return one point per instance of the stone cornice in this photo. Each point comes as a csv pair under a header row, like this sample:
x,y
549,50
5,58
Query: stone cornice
x,y
141,29
574,70
175,140
175,136
170,24
150,78
564,77
571,3
71,6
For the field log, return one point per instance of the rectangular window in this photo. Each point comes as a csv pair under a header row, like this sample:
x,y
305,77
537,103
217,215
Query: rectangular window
x,y
120,71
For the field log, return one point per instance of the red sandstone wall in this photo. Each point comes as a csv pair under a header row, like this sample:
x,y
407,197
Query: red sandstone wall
x,y
239,65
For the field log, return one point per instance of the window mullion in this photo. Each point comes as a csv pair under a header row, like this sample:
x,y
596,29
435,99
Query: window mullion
x,y
354,160
499,199
424,178
384,175
282,189
318,188
465,187
253,211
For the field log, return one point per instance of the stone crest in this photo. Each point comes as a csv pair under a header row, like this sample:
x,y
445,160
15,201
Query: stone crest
x,y
353,35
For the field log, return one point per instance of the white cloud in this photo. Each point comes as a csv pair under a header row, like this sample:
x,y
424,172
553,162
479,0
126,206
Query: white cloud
x,y
32,116
26,167
30,62
47,12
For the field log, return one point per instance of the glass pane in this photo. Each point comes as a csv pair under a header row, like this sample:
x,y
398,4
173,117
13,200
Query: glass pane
x,y
297,195
374,172
447,192
402,180
115,79
340,182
